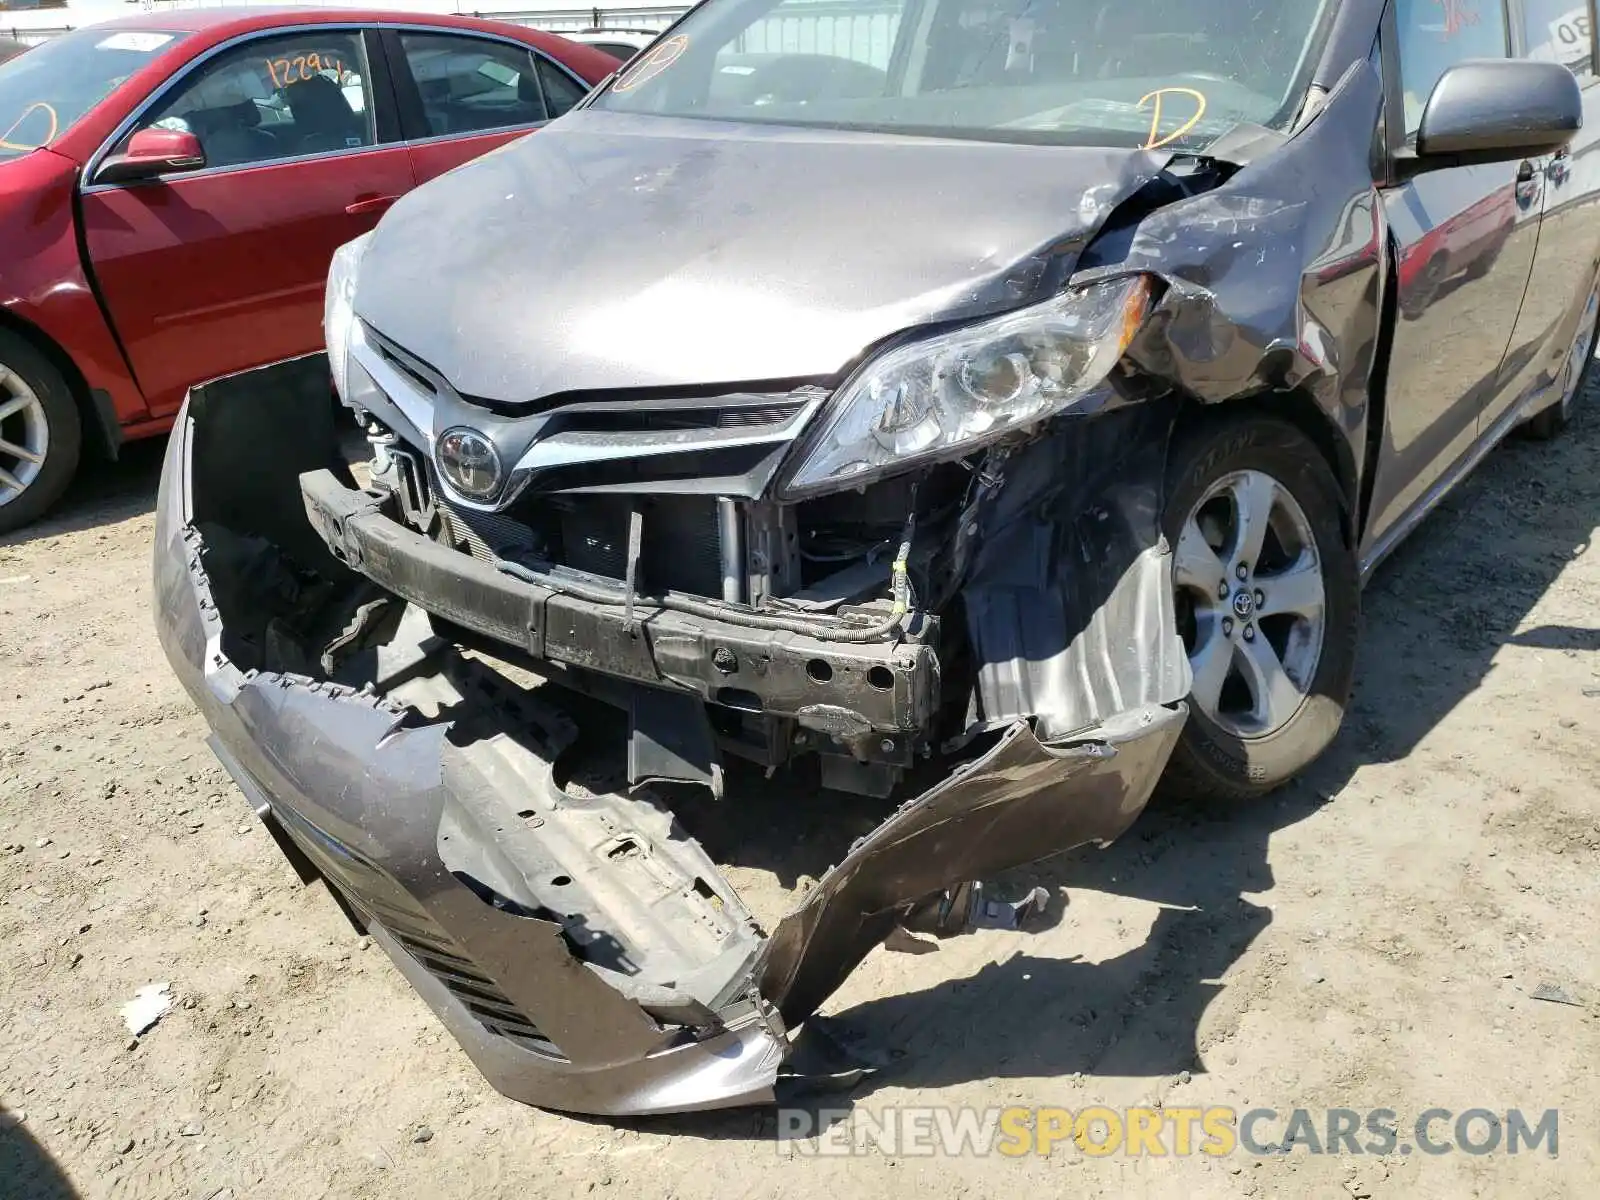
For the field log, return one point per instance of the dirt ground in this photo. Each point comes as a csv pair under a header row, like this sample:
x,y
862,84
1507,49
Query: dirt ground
x,y
1368,938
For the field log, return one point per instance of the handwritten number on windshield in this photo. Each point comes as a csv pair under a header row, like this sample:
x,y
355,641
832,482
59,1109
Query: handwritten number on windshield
x,y
1156,140
285,71
40,106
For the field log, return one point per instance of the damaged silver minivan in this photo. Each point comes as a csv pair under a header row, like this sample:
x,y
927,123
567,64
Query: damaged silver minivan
x,y
1003,395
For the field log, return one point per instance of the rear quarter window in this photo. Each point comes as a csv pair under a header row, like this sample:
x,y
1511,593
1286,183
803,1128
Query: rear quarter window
x,y
620,51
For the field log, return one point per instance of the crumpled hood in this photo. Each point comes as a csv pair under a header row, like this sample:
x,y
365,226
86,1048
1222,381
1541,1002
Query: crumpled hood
x,y
617,251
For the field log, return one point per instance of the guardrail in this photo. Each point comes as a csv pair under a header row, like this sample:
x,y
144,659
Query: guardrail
x,y
32,37
845,28
575,19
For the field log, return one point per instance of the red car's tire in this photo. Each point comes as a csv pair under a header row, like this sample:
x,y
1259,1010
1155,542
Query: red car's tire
x,y
41,433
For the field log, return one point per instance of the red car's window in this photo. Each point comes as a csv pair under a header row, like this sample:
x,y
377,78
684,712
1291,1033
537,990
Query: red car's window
x,y
561,92
46,91
469,84
276,98
620,51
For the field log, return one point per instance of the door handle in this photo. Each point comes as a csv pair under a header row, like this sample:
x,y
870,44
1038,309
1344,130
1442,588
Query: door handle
x,y
369,204
1527,185
1559,168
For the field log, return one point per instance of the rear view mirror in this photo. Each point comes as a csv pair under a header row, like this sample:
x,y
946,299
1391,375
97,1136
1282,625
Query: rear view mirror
x,y
1496,110
153,152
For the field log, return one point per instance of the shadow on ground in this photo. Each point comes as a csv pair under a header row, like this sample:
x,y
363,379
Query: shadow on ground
x,y
103,493
27,1170
1458,591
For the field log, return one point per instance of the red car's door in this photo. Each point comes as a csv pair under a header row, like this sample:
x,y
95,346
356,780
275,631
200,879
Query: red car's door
x,y
222,269
462,94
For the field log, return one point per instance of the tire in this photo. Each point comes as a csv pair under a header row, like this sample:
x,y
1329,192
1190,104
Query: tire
x,y
1237,745
1434,274
1549,424
1483,264
44,418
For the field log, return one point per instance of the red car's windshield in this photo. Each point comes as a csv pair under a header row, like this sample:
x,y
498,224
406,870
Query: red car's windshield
x,y
44,92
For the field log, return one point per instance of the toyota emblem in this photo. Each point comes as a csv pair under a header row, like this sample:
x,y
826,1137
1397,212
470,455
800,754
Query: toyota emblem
x,y
470,463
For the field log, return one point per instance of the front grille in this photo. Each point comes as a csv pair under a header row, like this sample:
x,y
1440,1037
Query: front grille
x,y
643,416
445,959
678,549
592,455
489,536
380,897
488,1004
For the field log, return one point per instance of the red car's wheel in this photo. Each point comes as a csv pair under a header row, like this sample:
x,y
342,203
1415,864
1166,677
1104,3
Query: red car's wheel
x,y
40,433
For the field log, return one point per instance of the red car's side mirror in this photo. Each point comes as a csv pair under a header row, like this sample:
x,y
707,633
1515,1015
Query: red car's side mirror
x,y
153,152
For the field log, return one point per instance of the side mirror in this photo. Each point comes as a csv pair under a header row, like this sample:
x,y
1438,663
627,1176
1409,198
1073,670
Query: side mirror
x,y
153,152
1496,110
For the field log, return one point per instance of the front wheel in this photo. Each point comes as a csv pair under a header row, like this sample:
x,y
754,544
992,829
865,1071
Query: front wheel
x,y
1548,424
1268,601
40,433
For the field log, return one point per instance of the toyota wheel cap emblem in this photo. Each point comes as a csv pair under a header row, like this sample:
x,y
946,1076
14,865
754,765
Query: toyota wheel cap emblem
x,y
469,462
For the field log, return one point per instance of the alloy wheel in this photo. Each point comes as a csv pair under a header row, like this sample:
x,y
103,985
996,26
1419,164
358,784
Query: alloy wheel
x,y
1251,603
24,435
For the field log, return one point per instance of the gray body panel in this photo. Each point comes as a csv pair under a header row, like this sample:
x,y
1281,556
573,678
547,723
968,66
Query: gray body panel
x,y
614,252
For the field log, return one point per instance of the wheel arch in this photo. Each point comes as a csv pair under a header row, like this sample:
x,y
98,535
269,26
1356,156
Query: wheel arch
x,y
1301,410
100,427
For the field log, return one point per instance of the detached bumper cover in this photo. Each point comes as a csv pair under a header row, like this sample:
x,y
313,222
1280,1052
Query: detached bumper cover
x,y
365,800
430,828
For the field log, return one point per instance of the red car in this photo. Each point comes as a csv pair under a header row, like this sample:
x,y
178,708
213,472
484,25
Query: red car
x,y
173,187
1465,245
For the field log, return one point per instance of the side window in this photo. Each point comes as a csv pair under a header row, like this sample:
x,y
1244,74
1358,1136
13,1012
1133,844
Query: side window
x,y
561,91
1434,35
618,50
275,98
1558,31
469,84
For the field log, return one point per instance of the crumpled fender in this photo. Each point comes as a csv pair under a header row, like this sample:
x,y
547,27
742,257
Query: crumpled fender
x,y
1276,279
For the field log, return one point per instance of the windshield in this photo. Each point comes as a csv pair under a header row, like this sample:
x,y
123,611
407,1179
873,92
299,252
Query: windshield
x,y
1174,73
44,92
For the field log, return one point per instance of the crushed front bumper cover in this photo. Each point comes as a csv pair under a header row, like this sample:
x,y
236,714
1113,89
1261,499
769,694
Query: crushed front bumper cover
x,y
581,947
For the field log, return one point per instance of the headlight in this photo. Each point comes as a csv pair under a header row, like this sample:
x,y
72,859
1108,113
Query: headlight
x,y
338,309
946,394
